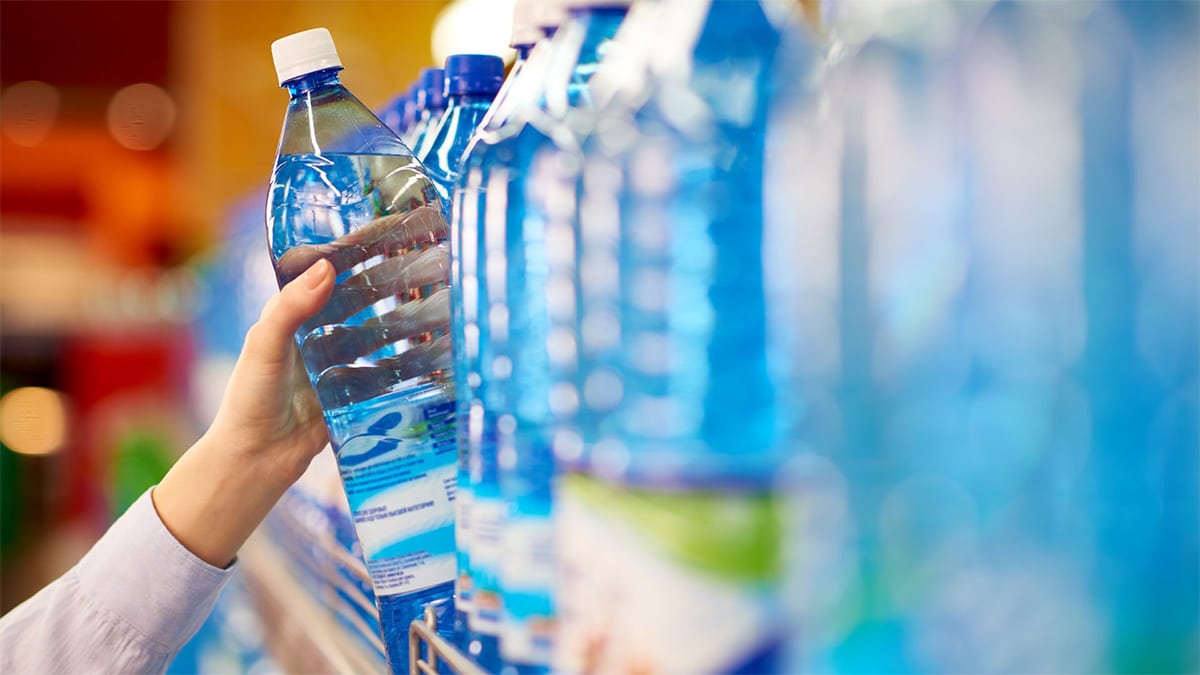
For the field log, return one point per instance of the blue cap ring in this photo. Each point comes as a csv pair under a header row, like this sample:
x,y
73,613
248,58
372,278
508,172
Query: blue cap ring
x,y
473,74
432,88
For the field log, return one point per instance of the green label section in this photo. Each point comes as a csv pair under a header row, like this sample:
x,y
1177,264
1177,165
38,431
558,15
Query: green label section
x,y
734,534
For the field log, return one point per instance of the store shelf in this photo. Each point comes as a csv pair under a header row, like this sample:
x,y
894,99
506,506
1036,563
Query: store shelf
x,y
302,635
427,650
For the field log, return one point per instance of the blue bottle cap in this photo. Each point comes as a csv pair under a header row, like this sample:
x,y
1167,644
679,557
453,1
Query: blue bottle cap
x,y
417,96
408,108
433,83
473,74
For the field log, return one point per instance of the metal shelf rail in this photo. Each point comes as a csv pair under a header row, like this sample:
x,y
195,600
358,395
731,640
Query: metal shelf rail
x,y
426,649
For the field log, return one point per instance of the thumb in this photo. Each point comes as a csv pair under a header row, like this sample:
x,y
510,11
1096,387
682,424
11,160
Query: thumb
x,y
270,340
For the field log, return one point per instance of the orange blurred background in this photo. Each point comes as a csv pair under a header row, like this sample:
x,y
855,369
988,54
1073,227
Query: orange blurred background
x,y
127,131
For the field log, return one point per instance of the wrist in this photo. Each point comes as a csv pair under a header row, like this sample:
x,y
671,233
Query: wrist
x,y
214,497
261,469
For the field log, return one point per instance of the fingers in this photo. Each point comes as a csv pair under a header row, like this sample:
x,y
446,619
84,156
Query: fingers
x,y
393,276
387,236
271,339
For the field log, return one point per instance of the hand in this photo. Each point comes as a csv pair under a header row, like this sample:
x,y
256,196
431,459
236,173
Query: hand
x,y
269,414
266,431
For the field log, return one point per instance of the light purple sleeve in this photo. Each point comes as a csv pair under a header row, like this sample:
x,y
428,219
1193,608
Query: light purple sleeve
x,y
126,607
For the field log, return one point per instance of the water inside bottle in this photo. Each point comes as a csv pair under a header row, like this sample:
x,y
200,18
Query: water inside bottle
x,y
379,357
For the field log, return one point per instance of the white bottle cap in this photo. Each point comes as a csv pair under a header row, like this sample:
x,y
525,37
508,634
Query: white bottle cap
x,y
303,53
525,28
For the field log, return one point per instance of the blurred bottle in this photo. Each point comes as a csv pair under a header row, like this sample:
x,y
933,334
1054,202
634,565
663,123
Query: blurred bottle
x,y
240,282
516,393
431,104
410,113
1016,448
392,113
346,189
672,524
532,22
472,81
1140,276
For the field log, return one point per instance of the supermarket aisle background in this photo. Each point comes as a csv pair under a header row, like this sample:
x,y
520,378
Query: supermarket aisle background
x,y
129,130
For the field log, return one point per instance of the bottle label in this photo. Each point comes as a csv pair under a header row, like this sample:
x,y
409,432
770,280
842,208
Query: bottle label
x,y
463,591
487,522
527,576
681,581
401,484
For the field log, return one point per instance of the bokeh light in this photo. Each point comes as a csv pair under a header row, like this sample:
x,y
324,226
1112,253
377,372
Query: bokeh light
x,y
28,111
33,420
473,27
141,116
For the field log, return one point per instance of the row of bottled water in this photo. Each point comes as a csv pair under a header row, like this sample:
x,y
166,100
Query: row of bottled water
x,y
755,336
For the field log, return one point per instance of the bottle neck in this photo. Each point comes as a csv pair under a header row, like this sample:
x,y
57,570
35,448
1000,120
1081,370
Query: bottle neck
x,y
600,25
586,36
469,99
312,81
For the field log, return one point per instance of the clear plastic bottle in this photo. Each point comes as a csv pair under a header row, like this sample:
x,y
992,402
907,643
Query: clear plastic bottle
x,y
431,104
477,356
472,81
346,189
672,534
394,111
466,314
410,113
515,389
1008,365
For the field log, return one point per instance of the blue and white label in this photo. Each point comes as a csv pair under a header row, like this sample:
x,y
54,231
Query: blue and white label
x,y
400,480
527,576
488,514
463,585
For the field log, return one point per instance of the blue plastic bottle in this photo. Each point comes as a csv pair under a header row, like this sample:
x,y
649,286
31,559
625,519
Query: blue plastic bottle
x,y
431,103
515,393
673,532
393,112
345,188
472,81
1014,371
470,332
410,113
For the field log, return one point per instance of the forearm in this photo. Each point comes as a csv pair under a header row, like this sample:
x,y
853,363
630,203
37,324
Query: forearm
x,y
266,432
215,496
126,607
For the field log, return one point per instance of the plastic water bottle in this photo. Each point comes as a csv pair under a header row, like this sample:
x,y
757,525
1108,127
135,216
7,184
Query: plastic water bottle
x,y
472,81
392,113
515,392
1141,369
672,532
409,115
345,188
533,22
431,103
584,272
1006,342
529,27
